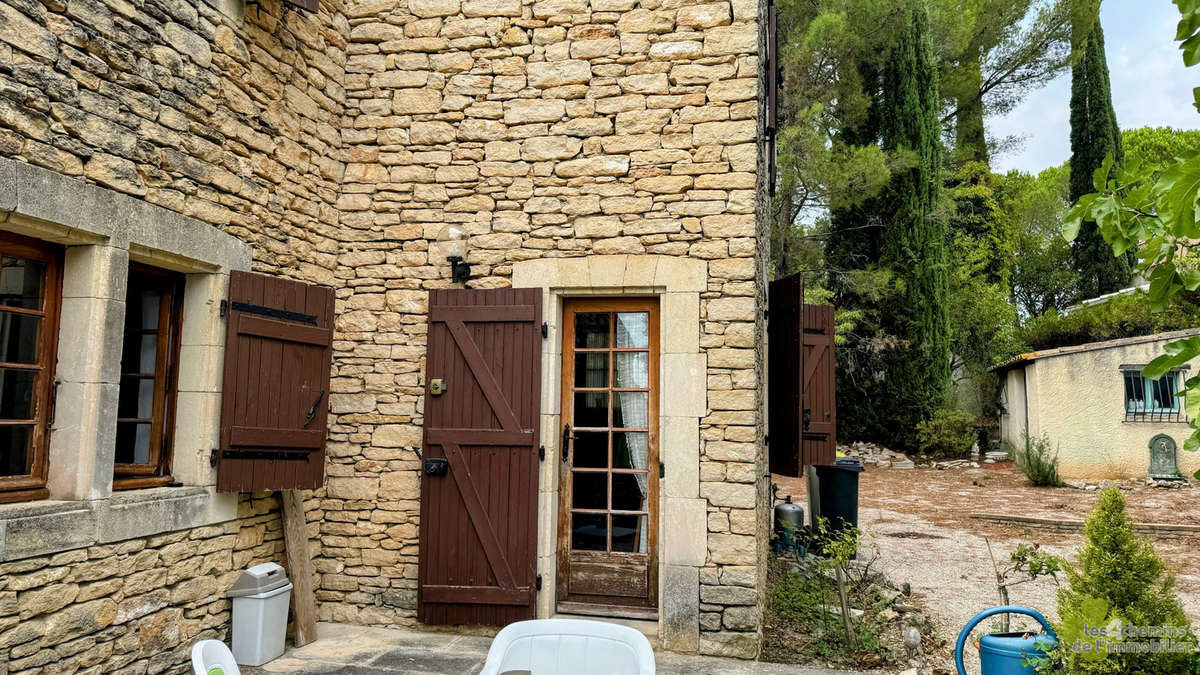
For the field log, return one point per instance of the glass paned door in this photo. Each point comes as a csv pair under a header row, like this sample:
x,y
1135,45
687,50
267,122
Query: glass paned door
x,y
608,494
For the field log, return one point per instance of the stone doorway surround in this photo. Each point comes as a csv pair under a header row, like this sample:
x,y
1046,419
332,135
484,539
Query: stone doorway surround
x,y
677,282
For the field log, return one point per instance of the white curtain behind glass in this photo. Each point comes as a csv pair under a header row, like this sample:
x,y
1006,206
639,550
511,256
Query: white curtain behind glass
x,y
632,371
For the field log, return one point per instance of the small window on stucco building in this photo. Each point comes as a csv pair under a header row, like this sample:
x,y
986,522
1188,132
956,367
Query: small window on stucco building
x,y
1148,400
149,371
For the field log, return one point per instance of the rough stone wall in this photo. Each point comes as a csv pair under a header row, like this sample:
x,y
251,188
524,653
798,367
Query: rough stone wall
x,y
545,128
227,114
135,606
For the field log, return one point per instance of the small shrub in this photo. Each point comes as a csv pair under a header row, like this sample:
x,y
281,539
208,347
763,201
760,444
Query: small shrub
x,y
1038,462
949,432
1120,579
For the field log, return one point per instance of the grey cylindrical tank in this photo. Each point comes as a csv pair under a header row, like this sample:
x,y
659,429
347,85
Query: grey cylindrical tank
x,y
789,523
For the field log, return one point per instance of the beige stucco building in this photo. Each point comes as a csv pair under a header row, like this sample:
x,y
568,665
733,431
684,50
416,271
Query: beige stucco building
x,y
1095,408
590,149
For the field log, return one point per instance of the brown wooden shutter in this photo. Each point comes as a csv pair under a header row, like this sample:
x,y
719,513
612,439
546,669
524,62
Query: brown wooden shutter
x,y
784,392
802,401
310,5
478,532
275,398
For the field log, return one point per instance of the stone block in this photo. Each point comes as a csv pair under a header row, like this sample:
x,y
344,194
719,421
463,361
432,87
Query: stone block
x,y
681,608
704,16
526,111
689,386
680,316
739,38
543,75
359,487
738,495
686,541
730,644
593,166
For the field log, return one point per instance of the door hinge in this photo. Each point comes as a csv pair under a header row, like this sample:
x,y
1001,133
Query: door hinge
x,y
545,330
213,457
766,439
662,470
538,582
541,453
224,308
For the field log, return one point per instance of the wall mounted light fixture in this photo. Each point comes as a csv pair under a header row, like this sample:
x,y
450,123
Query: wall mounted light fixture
x,y
454,243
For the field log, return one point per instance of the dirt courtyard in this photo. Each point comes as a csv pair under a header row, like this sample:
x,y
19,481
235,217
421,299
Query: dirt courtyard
x,y
918,521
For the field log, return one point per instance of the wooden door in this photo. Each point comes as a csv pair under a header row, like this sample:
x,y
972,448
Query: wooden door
x,y
275,398
478,533
608,454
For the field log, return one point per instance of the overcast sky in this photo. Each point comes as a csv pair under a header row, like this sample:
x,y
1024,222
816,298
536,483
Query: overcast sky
x,y
1149,83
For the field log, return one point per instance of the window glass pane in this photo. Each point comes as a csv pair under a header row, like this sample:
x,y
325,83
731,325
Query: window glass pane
x,y
591,369
629,534
591,449
15,450
591,409
133,443
590,490
589,531
16,394
150,298
136,398
21,282
629,449
633,329
631,370
630,409
629,491
591,329
1163,391
18,338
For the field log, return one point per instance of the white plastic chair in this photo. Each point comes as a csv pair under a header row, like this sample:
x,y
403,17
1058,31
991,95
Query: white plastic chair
x,y
212,657
569,647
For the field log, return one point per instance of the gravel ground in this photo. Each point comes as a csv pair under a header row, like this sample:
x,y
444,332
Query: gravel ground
x,y
918,523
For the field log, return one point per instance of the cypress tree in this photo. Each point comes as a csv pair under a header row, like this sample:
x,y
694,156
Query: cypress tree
x,y
913,245
1094,135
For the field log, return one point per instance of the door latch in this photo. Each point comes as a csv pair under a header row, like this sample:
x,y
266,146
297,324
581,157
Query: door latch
x,y
437,386
566,442
436,466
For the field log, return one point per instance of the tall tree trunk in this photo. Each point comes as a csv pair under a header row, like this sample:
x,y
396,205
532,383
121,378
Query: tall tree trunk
x,y
1094,135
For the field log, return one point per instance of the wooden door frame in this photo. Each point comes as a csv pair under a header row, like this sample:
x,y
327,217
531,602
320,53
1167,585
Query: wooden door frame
x,y
570,306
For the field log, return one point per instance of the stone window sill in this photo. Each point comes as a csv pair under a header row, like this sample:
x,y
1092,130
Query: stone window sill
x,y
44,527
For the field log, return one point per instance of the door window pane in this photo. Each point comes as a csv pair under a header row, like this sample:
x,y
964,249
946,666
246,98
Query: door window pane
x,y
629,491
590,490
589,531
140,353
591,449
629,534
629,449
16,394
632,370
21,282
591,369
18,338
591,409
15,449
136,399
630,409
148,309
633,330
591,330
133,443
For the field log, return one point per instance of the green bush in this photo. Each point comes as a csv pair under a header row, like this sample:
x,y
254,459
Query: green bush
x,y
950,432
1121,316
1118,578
1038,462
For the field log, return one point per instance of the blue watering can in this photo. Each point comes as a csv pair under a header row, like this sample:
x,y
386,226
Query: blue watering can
x,y
1003,653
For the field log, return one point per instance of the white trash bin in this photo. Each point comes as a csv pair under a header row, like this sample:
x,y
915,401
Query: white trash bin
x,y
260,611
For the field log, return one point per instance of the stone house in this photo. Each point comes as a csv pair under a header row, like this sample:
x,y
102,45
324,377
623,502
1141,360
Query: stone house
x,y
602,158
1099,413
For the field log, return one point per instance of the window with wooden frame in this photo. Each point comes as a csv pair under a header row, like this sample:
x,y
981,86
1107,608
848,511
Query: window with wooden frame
x,y
149,372
30,293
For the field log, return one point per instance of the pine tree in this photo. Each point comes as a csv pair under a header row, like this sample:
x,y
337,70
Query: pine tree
x,y
913,243
1094,135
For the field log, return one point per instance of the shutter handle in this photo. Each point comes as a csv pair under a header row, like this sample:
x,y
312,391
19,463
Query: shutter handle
x,y
312,412
566,442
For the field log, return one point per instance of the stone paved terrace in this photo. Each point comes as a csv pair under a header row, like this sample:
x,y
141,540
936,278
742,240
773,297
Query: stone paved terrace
x,y
348,649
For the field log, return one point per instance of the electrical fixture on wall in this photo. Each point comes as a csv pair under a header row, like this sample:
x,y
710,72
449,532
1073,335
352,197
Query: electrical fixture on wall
x,y
454,243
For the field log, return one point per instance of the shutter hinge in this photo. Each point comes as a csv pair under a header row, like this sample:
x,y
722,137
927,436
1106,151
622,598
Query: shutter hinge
x,y
213,457
766,439
224,308
541,453
545,330
662,470
538,582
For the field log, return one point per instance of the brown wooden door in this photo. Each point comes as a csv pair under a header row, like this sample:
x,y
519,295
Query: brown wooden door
x,y
275,398
801,395
478,536
608,487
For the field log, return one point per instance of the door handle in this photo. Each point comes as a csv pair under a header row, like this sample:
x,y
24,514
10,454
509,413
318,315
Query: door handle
x,y
566,442
312,412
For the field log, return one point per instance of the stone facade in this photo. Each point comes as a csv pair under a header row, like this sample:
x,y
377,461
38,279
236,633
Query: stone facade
x,y
339,144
